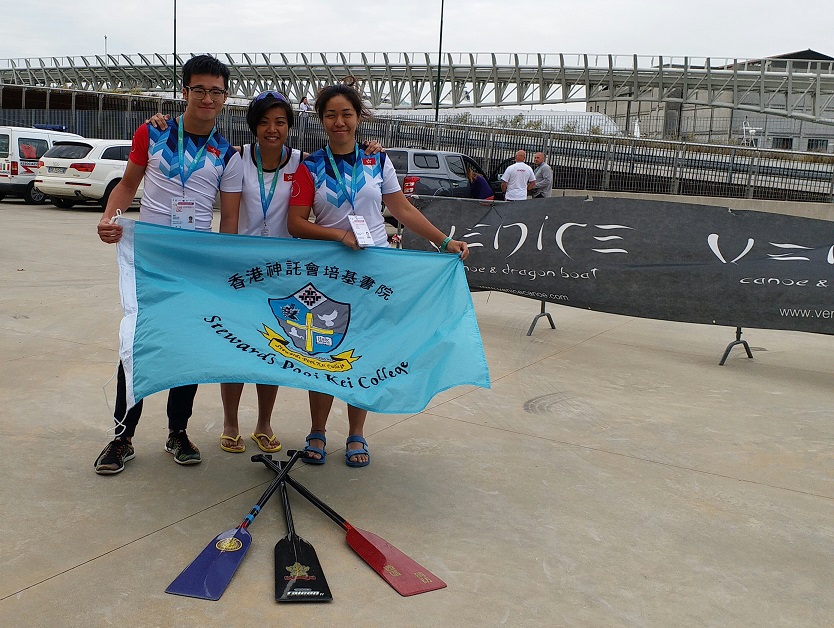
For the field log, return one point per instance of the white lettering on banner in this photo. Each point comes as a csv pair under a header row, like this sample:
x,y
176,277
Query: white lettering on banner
x,y
761,281
712,242
800,313
769,281
524,230
521,238
472,236
653,259
532,274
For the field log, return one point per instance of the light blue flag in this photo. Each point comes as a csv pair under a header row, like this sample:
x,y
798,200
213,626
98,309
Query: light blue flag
x,y
382,329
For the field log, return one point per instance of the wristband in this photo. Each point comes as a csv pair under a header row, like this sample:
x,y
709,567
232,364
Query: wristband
x,y
344,235
445,243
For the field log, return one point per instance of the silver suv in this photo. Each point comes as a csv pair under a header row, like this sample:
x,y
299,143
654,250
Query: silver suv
x,y
432,172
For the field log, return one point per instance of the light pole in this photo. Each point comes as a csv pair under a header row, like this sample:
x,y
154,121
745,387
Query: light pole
x,y
174,76
439,64
105,50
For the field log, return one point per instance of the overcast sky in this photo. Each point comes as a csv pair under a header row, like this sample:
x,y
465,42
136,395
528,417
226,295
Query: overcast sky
x,y
699,28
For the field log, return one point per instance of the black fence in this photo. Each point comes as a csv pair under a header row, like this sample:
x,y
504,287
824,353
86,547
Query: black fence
x,y
588,161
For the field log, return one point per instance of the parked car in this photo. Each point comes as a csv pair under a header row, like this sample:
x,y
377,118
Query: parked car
x,y
83,170
20,150
432,172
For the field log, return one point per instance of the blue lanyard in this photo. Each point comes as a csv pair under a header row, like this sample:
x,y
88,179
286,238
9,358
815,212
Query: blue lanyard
x,y
352,195
186,173
267,200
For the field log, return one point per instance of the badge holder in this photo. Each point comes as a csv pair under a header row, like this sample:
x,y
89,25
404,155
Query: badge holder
x,y
184,213
360,231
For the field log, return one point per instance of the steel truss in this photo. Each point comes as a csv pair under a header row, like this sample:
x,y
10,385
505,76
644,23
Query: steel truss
x,y
802,90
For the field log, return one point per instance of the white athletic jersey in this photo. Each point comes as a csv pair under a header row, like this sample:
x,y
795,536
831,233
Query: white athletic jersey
x,y
251,220
318,187
219,168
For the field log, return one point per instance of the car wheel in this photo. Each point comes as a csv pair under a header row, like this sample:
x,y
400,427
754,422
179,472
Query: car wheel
x,y
63,203
33,195
103,200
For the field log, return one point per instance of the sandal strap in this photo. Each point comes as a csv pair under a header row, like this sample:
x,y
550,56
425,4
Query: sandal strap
x,y
316,436
356,438
316,450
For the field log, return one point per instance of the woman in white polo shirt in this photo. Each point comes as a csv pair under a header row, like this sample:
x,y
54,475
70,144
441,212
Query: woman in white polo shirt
x,y
364,183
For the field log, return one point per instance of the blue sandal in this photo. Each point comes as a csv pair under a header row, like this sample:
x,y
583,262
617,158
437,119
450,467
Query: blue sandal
x,y
316,450
357,452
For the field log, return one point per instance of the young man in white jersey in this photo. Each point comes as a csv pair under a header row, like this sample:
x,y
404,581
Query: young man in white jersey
x,y
183,167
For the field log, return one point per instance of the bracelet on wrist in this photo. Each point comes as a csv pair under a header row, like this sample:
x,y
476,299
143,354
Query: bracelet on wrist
x,y
445,243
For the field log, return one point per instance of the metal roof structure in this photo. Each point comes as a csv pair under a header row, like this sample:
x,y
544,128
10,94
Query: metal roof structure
x,y
801,89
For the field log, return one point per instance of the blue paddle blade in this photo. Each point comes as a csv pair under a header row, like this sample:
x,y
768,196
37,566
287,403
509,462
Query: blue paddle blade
x,y
209,574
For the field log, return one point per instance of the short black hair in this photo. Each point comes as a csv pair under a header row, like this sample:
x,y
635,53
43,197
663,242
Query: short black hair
x,y
204,64
347,89
259,106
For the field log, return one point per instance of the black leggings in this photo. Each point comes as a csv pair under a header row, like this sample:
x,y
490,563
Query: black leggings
x,y
180,406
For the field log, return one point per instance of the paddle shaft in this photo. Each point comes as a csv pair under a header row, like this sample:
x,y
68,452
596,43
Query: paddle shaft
x,y
285,502
273,486
306,493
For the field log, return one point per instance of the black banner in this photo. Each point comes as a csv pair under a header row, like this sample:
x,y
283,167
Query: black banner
x,y
651,259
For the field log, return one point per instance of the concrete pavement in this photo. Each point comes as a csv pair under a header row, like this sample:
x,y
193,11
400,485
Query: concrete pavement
x,y
614,474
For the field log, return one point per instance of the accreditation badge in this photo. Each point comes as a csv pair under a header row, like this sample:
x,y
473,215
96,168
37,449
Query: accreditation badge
x,y
361,231
184,213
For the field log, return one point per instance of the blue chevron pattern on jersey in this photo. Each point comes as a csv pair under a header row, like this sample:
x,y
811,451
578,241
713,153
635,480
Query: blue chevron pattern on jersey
x,y
324,178
165,143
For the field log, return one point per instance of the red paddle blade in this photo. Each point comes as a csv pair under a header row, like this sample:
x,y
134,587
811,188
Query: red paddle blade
x,y
405,575
209,574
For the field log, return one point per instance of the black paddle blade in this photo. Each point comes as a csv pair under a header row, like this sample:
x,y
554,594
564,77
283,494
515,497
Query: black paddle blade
x,y
298,573
404,574
209,574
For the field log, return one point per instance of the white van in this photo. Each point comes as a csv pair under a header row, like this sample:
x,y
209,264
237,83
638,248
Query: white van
x,y
20,150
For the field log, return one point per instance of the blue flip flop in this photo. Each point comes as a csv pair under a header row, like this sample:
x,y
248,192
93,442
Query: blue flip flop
x,y
315,450
353,452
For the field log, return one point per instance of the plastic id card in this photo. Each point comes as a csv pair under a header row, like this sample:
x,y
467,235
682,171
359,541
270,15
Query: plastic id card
x,y
361,231
183,213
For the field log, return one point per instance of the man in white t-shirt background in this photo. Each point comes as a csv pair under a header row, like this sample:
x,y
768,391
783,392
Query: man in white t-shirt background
x,y
518,179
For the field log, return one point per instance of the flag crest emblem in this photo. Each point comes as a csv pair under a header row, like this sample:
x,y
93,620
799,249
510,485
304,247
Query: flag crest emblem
x,y
314,322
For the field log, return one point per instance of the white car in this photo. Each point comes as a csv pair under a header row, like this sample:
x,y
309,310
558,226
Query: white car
x,y
80,170
20,150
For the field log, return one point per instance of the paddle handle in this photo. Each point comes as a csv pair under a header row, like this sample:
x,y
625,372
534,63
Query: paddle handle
x,y
273,486
304,492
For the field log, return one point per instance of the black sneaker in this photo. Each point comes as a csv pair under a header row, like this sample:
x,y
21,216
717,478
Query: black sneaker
x,y
112,458
183,449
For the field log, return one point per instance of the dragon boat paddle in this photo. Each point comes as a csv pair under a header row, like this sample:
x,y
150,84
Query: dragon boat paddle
x,y
298,573
209,574
404,574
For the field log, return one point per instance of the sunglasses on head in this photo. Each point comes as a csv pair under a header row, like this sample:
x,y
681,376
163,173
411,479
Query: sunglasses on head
x,y
273,93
